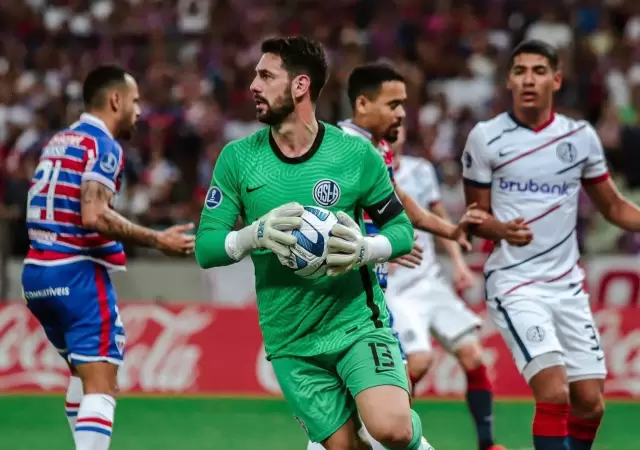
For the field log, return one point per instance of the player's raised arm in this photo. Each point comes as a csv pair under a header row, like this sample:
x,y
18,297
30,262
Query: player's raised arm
x,y
603,192
97,190
348,248
478,177
216,244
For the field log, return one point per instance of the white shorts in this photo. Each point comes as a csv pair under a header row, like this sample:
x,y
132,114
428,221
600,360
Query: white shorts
x,y
430,307
564,324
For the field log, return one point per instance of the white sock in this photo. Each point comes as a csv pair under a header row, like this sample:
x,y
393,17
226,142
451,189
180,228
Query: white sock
x,y
72,401
95,422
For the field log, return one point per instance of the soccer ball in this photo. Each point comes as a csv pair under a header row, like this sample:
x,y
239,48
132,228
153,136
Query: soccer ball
x,y
308,257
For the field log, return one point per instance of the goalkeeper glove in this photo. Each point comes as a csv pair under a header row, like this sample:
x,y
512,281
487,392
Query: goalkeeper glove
x,y
348,248
268,232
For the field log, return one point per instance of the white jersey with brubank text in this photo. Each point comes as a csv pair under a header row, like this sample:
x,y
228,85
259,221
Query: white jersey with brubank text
x,y
387,155
534,174
417,178
84,151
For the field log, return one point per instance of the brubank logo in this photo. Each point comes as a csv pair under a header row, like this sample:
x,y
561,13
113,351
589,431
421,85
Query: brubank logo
x,y
536,187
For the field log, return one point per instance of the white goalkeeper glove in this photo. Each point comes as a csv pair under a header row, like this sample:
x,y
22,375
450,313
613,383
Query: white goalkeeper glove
x,y
348,248
268,232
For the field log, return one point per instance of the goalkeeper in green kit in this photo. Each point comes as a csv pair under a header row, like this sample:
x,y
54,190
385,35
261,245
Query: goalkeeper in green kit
x,y
328,339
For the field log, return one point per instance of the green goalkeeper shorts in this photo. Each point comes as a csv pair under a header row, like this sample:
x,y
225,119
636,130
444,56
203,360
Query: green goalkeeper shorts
x,y
321,389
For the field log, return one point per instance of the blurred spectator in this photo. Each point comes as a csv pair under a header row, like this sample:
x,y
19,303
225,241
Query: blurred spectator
x,y
195,60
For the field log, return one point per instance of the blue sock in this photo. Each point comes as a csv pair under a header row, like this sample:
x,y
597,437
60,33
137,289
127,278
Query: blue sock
x,y
480,402
551,443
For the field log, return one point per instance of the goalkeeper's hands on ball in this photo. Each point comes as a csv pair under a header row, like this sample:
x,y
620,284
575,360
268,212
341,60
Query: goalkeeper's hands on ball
x,y
270,231
347,247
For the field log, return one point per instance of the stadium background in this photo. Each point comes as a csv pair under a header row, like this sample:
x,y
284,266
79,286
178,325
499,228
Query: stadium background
x,y
195,376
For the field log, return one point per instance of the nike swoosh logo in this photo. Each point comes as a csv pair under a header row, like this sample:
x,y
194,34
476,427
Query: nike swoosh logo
x,y
249,190
599,358
381,210
502,154
383,370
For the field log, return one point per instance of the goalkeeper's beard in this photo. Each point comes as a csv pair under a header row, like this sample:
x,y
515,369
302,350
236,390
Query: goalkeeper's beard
x,y
282,108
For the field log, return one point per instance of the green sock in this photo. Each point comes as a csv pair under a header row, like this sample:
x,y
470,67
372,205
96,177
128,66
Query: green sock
x,y
416,438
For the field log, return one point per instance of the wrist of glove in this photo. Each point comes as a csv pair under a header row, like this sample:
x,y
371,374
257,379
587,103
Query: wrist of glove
x,y
349,249
268,232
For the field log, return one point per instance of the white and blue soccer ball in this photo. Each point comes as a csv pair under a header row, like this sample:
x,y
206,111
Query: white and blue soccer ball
x,y
309,256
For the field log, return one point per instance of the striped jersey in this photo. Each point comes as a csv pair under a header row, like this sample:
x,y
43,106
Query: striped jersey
x,y
350,128
534,174
84,151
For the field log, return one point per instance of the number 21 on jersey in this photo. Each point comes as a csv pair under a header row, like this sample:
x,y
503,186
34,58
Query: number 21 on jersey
x,y
46,185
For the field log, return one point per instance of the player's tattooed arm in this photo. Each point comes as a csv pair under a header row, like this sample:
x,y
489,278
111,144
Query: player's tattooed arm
x,y
99,216
515,232
613,205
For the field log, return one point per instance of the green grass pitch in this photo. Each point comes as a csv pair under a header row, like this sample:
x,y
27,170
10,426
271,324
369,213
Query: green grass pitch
x,y
208,423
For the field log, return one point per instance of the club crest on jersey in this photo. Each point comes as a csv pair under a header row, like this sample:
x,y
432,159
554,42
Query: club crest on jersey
x,y
535,334
109,163
566,152
213,198
120,341
326,192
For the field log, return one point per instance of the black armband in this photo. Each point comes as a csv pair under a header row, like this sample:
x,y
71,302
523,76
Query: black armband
x,y
385,210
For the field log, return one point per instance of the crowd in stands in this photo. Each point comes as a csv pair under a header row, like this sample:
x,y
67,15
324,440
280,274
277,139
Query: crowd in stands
x,y
195,59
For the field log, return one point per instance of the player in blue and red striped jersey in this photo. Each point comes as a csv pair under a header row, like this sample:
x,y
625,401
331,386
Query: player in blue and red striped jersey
x,y
74,234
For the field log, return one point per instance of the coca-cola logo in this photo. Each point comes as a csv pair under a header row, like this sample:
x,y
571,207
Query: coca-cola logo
x,y
26,356
159,356
163,361
622,352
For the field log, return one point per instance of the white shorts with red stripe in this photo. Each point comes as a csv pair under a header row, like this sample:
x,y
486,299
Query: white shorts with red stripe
x,y
561,322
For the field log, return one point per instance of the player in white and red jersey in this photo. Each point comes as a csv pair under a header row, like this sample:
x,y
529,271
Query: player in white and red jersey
x,y
74,236
527,168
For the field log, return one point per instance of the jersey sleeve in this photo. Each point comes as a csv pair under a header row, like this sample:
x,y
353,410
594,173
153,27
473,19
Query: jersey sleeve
x,y
376,181
476,167
220,211
379,200
429,177
595,168
105,164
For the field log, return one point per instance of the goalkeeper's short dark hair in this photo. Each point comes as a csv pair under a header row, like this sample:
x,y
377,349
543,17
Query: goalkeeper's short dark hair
x,y
301,55
368,79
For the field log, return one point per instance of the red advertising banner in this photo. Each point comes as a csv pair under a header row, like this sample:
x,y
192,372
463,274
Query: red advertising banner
x,y
200,349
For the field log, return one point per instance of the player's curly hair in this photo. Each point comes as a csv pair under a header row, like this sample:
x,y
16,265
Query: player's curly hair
x,y
301,55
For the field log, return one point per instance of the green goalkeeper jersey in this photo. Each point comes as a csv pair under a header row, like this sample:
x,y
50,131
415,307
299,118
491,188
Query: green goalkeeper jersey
x,y
304,317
